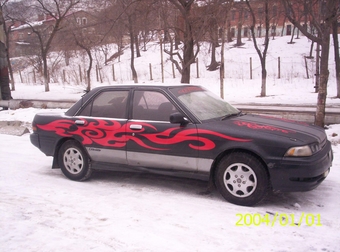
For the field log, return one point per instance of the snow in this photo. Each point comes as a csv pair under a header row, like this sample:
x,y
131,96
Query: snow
x,y
41,210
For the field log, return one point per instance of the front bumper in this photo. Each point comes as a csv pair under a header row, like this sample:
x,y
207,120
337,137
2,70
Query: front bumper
x,y
302,173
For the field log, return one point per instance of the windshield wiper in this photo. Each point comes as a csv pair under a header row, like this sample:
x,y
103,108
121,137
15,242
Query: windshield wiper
x,y
231,115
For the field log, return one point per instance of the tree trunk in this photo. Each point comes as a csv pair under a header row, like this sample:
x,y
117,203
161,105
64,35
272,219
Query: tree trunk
x,y
337,57
229,38
186,75
67,55
132,61
324,73
213,64
10,70
323,38
45,73
5,93
213,31
239,34
262,55
177,41
188,54
88,72
222,65
137,47
311,50
239,28
292,36
264,77
283,26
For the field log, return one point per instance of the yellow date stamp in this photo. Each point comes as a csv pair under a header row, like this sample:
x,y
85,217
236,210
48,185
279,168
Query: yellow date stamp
x,y
280,219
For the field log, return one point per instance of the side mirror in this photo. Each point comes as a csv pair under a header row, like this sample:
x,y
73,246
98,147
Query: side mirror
x,y
179,118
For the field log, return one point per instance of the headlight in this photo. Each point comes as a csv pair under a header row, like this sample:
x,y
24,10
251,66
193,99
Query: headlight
x,y
300,151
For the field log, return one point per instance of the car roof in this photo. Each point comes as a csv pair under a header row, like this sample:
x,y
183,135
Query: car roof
x,y
153,85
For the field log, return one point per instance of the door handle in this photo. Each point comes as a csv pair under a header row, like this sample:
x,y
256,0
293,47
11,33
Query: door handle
x,y
136,127
80,122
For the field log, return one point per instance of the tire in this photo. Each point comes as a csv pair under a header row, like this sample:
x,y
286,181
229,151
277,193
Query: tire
x,y
242,179
74,161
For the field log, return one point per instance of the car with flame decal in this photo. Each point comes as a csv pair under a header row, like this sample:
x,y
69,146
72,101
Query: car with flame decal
x,y
183,130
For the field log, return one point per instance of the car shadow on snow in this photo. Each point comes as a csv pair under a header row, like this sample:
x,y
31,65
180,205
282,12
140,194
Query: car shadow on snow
x,y
199,188
295,200
155,181
203,189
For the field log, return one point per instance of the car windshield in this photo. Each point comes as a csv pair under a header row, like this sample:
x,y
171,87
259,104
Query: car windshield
x,y
203,103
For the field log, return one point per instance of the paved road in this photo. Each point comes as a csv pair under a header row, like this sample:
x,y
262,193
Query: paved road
x,y
293,112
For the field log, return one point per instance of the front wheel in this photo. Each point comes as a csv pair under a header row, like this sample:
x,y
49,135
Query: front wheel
x,y
74,161
242,179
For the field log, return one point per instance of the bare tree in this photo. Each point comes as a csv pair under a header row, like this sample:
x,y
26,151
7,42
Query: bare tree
x,y
86,45
5,93
87,35
262,55
129,13
56,11
9,22
143,25
336,55
193,23
321,15
213,23
276,14
131,22
185,32
240,8
113,19
213,32
146,15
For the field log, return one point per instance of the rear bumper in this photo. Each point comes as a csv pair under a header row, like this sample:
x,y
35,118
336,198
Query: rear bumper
x,y
35,140
44,143
302,174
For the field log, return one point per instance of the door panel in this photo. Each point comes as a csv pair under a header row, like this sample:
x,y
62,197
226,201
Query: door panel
x,y
161,145
102,126
153,141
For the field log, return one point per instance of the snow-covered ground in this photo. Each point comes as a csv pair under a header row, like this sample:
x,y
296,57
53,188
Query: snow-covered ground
x,y
41,210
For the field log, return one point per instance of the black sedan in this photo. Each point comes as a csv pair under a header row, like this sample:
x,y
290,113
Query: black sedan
x,y
184,130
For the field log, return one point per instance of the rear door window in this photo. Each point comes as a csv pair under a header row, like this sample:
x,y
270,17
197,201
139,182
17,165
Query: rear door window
x,y
110,104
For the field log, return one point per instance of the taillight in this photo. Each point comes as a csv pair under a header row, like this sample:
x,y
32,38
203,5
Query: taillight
x,y
34,127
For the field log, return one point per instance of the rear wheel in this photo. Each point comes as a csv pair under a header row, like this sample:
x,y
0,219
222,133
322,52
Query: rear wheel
x,y
242,179
74,161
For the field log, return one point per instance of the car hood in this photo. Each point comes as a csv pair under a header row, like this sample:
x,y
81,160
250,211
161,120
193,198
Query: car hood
x,y
299,132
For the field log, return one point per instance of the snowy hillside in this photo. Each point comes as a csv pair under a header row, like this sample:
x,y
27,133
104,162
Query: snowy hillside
x,y
41,210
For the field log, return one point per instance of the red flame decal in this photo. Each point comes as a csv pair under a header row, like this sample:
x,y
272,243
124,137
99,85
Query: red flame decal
x,y
111,133
261,127
285,120
103,132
